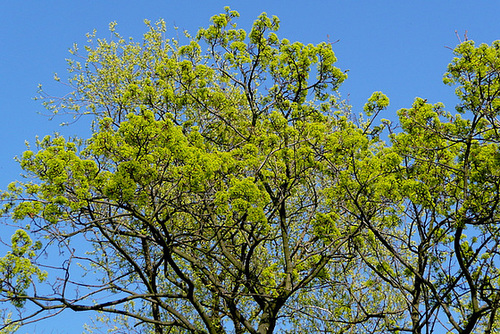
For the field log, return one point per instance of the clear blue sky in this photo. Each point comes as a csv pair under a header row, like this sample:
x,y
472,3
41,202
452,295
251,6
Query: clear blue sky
x,y
397,47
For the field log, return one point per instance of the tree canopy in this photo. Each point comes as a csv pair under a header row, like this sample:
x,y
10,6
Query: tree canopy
x,y
227,188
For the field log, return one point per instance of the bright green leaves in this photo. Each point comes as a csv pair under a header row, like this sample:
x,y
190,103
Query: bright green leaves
x,y
430,176
444,152
145,154
221,92
296,62
325,225
17,270
244,200
63,180
127,76
292,71
246,197
260,26
7,326
218,26
424,138
377,102
475,71
421,117
21,244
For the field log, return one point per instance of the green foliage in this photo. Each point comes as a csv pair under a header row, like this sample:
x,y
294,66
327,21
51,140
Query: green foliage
x,y
230,190
8,327
17,268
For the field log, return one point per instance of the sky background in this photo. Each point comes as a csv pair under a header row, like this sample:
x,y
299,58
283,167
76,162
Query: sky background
x,y
398,47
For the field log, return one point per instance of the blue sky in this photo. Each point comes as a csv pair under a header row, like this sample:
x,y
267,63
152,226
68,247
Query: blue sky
x,y
397,47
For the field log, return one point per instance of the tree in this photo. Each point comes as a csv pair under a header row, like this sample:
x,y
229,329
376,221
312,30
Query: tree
x,y
233,191
446,184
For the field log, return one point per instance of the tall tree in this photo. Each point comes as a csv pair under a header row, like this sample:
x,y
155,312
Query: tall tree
x,y
230,190
198,204
436,221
